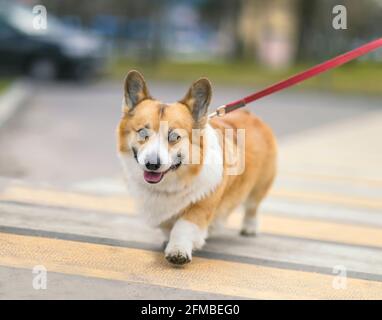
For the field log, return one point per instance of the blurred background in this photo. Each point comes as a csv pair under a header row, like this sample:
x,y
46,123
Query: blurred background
x,y
241,41
87,48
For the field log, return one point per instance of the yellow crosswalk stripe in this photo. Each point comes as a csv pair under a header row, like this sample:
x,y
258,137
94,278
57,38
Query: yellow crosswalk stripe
x,y
123,203
320,197
67,199
277,225
207,275
371,183
315,230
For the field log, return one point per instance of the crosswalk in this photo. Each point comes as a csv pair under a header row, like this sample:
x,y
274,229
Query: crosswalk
x,y
100,236
271,223
249,280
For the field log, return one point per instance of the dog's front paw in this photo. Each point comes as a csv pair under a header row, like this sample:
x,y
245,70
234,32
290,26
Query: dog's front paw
x,y
177,255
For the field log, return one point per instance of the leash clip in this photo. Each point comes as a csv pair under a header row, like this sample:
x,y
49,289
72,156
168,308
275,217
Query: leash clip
x,y
219,112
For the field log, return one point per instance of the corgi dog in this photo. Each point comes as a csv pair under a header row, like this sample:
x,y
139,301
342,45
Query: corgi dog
x,y
175,163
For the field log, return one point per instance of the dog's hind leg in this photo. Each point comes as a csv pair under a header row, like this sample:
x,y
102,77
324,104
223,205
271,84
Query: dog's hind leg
x,y
250,220
250,223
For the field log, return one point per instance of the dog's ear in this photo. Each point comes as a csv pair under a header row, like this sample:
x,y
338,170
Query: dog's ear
x,y
198,99
135,90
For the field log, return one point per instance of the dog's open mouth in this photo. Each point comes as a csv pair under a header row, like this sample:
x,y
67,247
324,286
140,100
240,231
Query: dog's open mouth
x,y
153,177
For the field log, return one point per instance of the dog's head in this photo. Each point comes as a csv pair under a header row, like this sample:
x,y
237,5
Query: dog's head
x,y
156,139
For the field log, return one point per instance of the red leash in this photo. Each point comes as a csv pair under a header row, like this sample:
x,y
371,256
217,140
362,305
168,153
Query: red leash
x,y
320,68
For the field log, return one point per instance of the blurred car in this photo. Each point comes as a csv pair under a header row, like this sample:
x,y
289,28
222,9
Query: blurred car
x,y
57,51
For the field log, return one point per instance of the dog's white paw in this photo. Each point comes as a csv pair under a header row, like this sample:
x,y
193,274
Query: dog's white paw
x,y
250,227
177,254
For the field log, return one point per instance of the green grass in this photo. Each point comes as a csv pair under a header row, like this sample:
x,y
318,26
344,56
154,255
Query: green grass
x,y
363,78
4,83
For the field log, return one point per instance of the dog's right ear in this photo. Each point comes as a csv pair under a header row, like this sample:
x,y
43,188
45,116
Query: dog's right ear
x,y
135,90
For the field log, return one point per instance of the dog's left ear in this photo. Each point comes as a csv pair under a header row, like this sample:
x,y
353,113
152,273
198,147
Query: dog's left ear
x,y
198,99
135,90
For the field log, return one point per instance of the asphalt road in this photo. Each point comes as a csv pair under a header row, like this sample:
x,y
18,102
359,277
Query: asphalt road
x,y
65,133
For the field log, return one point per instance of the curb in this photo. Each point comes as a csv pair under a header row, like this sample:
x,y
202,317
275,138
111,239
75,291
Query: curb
x,y
12,99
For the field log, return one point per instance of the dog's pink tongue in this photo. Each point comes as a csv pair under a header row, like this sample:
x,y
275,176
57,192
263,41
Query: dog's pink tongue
x,y
152,177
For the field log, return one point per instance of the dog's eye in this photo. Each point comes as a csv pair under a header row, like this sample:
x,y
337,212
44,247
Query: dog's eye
x,y
173,136
143,134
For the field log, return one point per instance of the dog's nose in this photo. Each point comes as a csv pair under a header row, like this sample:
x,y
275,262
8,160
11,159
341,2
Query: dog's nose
x,y
153,164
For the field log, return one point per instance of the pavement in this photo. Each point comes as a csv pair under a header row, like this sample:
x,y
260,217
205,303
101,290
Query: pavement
x,y
64,207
